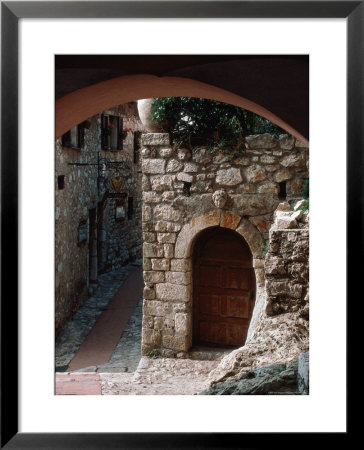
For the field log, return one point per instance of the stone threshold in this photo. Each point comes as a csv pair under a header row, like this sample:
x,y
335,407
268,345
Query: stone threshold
x,y
203,353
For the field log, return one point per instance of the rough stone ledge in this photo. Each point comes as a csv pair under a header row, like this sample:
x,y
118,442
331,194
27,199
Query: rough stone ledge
x,y
276,340
303,373
155,139
274,379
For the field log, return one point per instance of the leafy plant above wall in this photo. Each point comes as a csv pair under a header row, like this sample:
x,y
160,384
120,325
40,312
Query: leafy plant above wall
x,y
305,206
265,249
306,190
192,121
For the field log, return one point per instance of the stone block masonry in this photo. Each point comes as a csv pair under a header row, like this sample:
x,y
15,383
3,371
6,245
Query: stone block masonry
x,y
186,191
287,271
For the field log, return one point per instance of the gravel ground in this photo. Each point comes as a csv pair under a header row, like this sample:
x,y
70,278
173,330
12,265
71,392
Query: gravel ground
x,y
160,376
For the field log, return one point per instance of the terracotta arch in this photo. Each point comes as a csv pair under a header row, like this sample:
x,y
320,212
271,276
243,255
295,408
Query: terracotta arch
x,y
86,102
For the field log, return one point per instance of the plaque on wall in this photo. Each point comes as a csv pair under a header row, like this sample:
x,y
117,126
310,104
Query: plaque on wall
x,y
120,212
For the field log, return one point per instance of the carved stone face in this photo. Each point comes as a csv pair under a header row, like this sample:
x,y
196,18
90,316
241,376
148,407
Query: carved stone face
x,y
219,198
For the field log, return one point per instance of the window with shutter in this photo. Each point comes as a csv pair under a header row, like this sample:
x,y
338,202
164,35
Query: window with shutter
x,y
111,132
74,138
81,136
104,132
130,208
136,146
66,139
120,134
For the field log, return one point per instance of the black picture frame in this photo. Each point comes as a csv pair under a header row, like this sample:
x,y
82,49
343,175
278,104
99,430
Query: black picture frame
x,y
11,12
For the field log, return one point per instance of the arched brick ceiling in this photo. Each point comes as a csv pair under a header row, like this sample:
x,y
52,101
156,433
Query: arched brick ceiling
x,y
278,84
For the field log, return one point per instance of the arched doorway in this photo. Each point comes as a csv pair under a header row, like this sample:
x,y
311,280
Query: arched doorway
x,y
223,288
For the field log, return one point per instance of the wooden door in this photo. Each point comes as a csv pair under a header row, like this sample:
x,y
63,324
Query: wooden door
x,y
223,288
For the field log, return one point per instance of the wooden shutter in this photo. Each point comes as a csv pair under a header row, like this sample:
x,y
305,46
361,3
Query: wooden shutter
x,y
136,146
120,133
66,139
130,207
86,124
104,132
81,135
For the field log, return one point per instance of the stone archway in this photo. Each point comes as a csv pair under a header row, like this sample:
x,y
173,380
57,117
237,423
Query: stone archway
x,y
174,295
222,218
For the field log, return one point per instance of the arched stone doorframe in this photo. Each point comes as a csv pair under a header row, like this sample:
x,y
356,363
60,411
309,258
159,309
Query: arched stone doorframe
x,y
225,219
81,104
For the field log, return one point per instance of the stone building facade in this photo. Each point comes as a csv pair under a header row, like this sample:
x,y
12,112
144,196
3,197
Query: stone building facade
x,y
185,193
97,203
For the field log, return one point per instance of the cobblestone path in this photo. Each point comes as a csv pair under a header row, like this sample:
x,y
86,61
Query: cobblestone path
x,y
127,353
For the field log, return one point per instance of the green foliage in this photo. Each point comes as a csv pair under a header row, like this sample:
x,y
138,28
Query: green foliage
x,y
306,206
265,249
194,121
306,195
154,353
306,190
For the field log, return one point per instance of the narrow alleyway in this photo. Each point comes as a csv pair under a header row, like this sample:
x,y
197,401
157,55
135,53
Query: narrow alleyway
x,y
106,332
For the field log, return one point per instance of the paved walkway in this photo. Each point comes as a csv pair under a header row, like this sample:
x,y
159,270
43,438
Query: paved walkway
x,y
104,317
78,384
102,340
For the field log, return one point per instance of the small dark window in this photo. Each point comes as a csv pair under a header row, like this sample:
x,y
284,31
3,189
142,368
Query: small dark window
x,y
130,207
112,133
136,146
60,181
75,137
282,194
186,188
66,139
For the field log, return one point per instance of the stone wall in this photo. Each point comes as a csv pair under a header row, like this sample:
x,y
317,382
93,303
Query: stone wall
x,y
118,241
124,237
287,271
186,191
123,243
